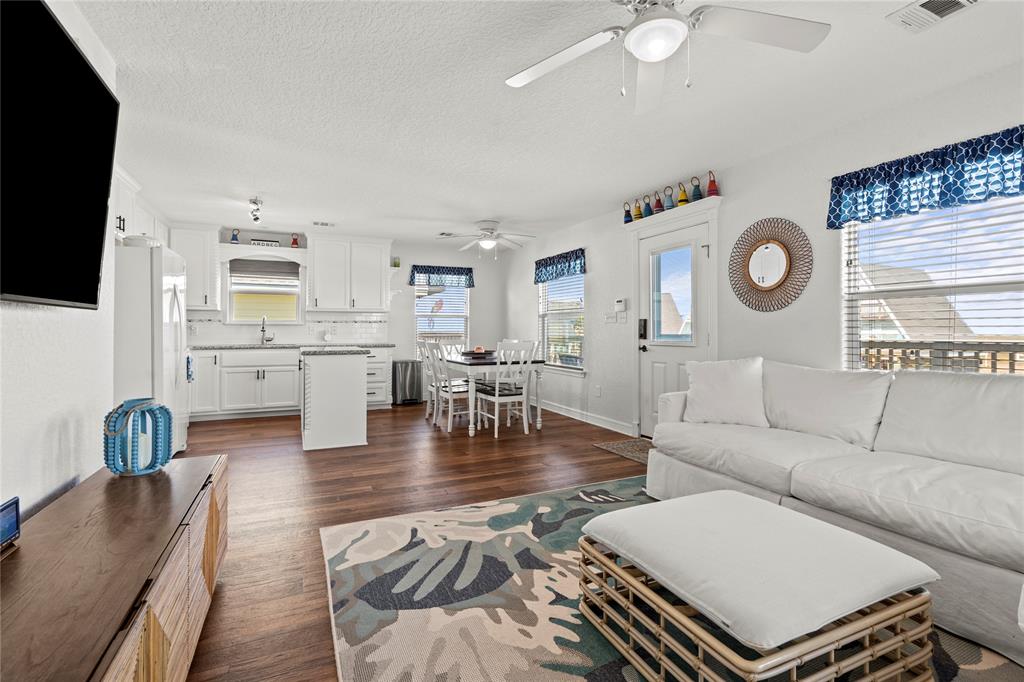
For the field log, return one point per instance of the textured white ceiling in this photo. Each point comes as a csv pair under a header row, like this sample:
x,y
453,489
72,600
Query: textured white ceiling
x,y
393,117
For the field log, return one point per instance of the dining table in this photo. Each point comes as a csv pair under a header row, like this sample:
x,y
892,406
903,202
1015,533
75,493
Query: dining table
x,y
474,366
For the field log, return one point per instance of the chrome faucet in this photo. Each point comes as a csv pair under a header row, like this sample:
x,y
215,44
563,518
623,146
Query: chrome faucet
x,y
264,337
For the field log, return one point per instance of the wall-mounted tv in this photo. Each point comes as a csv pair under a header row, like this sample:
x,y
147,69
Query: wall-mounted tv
x,y
57,134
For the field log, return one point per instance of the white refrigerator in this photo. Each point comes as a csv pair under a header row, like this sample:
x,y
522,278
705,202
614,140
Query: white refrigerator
x,y
150,330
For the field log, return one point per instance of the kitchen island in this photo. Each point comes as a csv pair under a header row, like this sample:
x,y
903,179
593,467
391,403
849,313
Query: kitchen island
x,y
333,396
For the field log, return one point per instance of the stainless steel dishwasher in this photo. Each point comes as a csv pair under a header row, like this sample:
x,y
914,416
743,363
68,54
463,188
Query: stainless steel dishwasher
x,y
406,382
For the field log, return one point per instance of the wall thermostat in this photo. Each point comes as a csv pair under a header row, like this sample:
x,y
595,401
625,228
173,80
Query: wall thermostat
x,y
620,305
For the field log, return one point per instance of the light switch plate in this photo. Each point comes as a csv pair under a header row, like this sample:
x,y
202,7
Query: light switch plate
x,y
610,318
622,318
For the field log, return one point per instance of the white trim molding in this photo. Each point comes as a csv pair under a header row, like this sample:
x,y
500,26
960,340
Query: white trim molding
x,y
590,418
679,218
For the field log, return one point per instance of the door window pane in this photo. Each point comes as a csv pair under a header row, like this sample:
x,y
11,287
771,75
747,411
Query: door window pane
x,y
672,294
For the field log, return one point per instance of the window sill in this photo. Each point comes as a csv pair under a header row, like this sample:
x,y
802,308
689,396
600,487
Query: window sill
x,y
579,372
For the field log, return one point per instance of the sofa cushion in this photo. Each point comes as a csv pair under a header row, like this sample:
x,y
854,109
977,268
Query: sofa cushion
x,y
974,511
765,573
830,403
726,392
761,457
972,419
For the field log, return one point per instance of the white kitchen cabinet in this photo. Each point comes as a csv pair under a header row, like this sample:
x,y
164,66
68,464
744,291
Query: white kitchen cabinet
x,y
240,389
143,222
331,271
280,387
198,248
350,274
122,202
370,272
205,388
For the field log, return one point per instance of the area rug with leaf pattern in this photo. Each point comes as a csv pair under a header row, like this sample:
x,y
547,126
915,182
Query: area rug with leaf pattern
x,y
489,591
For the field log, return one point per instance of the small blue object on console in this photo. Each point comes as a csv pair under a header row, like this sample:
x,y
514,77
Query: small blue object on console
x,y
122,429
10,525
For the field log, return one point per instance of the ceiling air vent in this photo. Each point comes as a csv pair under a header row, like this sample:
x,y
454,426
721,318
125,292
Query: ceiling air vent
x,y
922,15
321,223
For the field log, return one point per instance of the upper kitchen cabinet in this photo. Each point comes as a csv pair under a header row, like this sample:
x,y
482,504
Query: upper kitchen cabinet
x,y
128,214
198,248
370,272
350,275
331,274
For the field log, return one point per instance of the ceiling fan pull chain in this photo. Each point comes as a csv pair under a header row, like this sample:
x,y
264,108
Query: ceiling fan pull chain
x,y
689,62
622,90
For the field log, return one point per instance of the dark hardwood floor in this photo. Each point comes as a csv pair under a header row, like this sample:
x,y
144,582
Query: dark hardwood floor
x,y
269,619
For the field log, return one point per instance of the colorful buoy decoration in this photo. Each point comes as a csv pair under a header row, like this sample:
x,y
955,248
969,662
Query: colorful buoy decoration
x,y
648,211
669,201
695,193
637,213
682,199
712,185
658,206
627,217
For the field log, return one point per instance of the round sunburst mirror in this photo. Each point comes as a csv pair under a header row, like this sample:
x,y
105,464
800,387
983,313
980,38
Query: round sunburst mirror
x,y
770,264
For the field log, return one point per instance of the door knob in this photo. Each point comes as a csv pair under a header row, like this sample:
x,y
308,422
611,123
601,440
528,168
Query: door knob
x,y
643,348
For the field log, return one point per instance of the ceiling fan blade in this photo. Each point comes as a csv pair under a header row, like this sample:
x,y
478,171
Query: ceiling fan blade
x,y
558,59
502,239
524,236
788,33
456,236
650,77
469,245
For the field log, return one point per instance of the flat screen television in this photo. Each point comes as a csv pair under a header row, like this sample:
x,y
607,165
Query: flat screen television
x,y
57,132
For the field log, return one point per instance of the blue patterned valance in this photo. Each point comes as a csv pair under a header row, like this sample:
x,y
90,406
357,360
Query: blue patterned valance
x,y
977,170
443,276
564,264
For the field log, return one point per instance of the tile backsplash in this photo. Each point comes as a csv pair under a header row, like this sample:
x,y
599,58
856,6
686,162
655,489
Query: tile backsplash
x,y
206,328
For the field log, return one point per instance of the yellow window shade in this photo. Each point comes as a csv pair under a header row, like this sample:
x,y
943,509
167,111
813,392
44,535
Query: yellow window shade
x,y
247,307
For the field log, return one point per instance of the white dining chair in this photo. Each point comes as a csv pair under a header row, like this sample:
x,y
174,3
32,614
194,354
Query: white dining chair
x,y
448,392
509,386
428,372
533,353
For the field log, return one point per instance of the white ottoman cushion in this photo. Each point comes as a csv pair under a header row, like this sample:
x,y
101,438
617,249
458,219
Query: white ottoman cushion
x,y
765,573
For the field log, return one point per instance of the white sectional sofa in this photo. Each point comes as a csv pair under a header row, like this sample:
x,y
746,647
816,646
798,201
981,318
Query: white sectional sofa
x,y
930,463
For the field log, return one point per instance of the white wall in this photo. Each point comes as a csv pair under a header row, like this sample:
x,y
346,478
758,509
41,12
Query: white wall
x,y
486,301
56,369
793,184
607,347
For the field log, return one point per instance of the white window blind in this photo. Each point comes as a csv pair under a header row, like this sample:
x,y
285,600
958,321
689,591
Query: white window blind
x,y
442,312
560,321
940,290
260,287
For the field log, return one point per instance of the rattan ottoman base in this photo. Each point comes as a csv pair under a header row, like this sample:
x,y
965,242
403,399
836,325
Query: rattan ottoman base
x,y
666,639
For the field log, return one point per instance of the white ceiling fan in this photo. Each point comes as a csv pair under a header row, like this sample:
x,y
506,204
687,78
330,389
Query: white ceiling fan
x,y
659,28
487,237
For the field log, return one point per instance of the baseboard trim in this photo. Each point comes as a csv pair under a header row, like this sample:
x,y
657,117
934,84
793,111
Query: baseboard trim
x,y
217,416
589,418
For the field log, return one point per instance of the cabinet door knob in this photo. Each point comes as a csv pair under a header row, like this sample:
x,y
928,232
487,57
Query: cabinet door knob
x,y
204,299
316,302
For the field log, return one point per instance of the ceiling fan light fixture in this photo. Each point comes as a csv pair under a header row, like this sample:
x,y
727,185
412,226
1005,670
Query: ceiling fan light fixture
x,y
487,243
656,35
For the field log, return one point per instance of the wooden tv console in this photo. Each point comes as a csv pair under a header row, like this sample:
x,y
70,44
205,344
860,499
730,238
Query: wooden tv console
x,y
112,581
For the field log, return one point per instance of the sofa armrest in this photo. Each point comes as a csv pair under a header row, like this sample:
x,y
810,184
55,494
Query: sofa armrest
x,y
671,407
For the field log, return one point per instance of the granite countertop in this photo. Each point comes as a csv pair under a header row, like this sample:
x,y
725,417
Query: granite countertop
x,y
333,350
287,346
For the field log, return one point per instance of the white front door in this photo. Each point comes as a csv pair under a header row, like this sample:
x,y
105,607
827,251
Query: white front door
x,y
676,280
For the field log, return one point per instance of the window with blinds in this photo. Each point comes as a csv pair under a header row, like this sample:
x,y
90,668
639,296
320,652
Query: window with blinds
x,y
263,287
941,290
442,312
560,321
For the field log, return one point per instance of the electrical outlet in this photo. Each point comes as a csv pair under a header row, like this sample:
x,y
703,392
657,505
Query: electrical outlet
x,y
597,391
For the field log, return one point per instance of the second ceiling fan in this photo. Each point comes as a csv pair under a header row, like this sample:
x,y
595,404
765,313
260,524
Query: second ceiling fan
x,y
658,29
